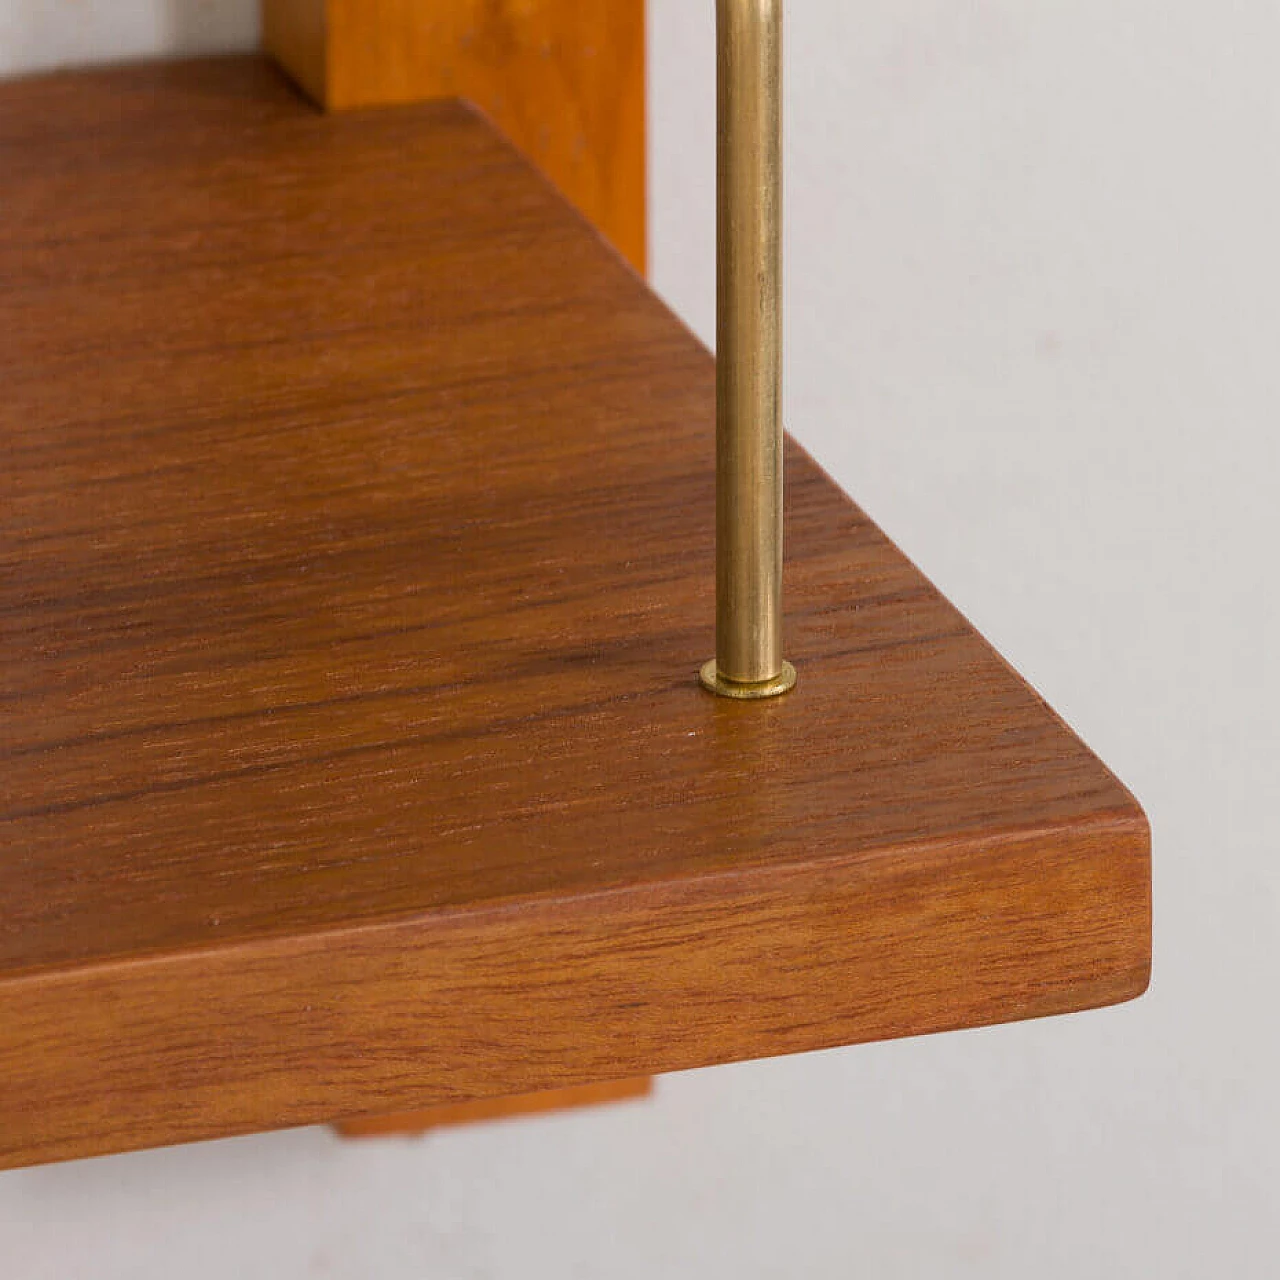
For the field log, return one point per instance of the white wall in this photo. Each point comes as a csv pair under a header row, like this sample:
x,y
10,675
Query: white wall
x,y
1033,329
37,34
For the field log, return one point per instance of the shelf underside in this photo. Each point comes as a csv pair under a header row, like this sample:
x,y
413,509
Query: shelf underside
x,y
356,546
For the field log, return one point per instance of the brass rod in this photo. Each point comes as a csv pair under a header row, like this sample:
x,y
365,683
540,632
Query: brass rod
x,y
749,661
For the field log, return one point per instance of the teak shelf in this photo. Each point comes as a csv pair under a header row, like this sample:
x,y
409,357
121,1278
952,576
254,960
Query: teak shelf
x,y
356,567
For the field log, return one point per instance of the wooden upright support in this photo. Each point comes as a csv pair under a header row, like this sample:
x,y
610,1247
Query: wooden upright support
x,y
563,79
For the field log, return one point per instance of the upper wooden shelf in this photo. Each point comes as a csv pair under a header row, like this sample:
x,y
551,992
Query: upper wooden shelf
x,y
356,567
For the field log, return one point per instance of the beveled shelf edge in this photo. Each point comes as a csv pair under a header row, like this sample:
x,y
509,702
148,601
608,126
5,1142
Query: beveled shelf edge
x,y
404,1015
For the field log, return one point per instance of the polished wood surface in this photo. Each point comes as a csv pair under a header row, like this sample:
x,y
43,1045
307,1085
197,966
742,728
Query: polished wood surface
x,y
356,564
563,79
486,1110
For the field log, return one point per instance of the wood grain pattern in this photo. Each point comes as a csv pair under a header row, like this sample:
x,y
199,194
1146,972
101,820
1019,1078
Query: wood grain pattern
x,y
563,79
356,532
487,1110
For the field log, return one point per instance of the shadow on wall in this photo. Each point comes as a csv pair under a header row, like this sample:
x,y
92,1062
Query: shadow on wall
x,y
37,35
209,26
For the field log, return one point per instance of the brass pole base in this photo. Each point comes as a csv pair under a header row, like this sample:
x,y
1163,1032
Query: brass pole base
x,y
715,683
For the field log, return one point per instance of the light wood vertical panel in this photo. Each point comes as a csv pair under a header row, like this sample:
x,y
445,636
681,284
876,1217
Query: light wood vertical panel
x,y
563,79
412,1124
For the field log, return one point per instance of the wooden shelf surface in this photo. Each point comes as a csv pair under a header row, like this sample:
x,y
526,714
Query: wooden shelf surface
x,y
356,565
